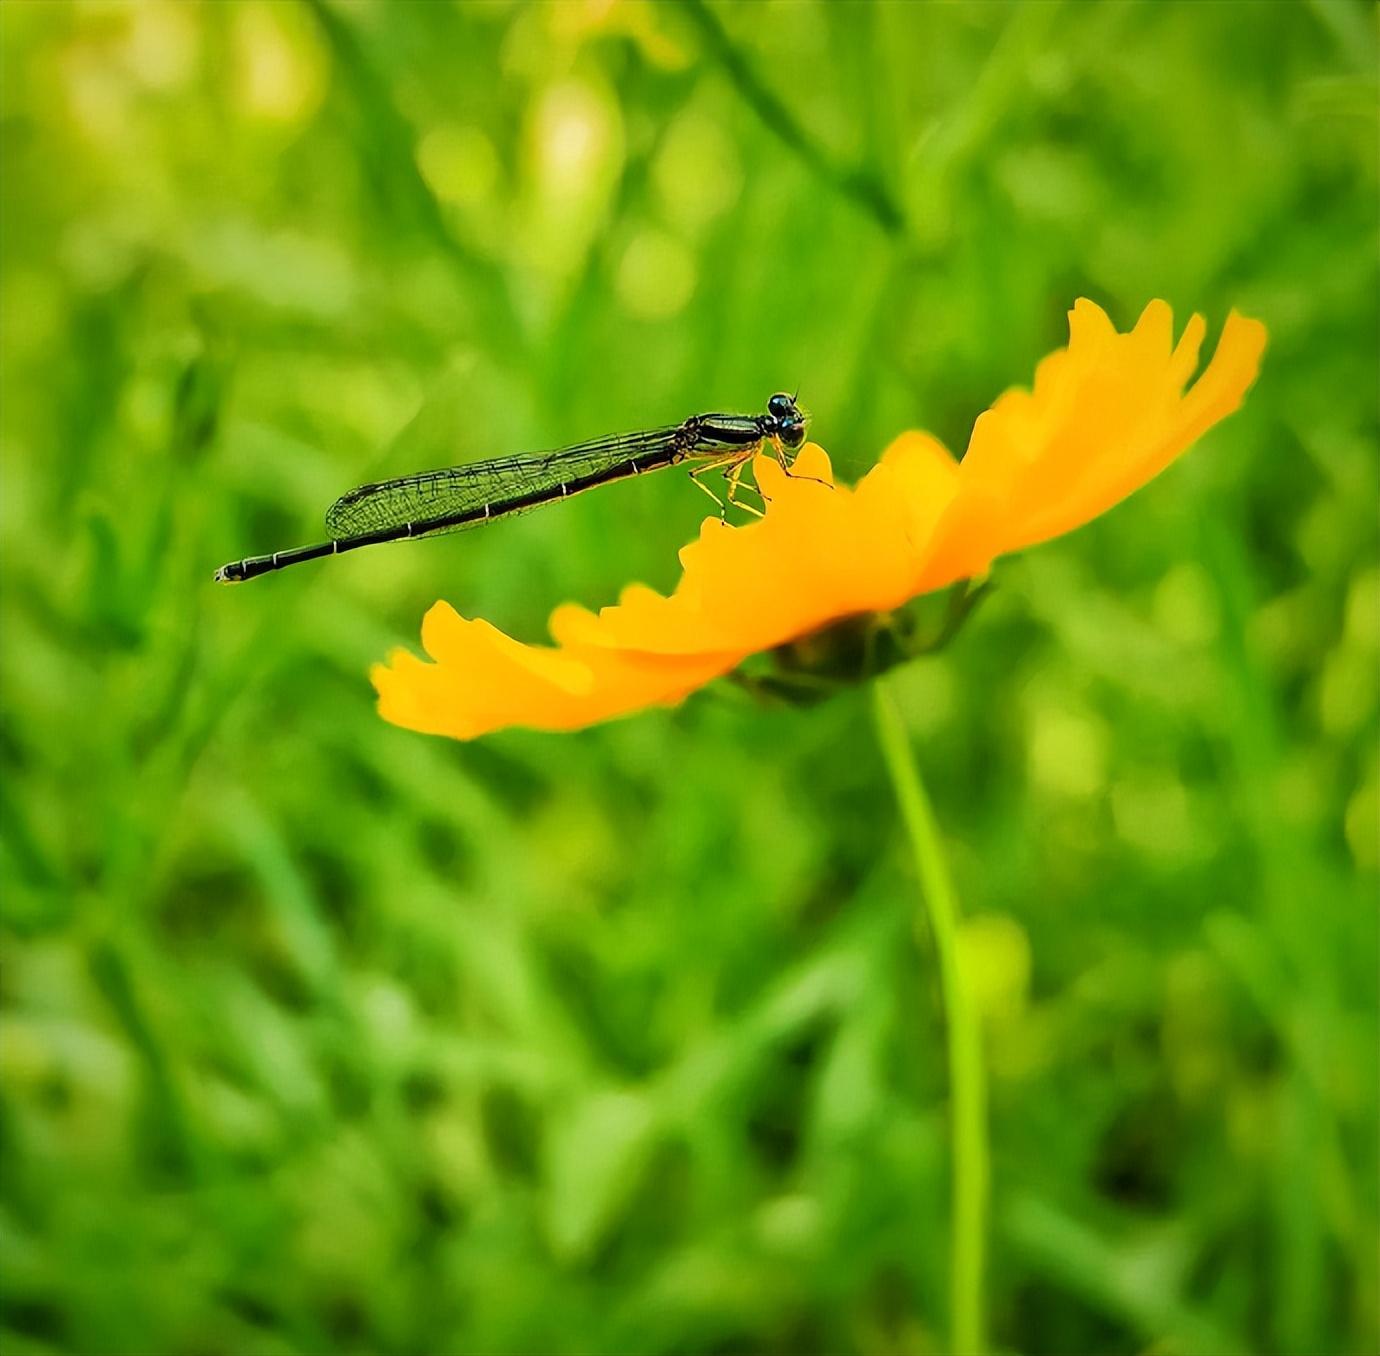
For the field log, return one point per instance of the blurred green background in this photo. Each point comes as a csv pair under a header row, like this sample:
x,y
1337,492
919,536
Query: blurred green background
x,y
320,1036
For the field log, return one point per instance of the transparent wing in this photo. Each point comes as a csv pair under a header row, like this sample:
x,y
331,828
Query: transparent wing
x,y
464,489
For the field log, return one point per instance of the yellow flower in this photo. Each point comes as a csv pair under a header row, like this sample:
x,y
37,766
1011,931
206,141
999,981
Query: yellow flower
x,y
1106,415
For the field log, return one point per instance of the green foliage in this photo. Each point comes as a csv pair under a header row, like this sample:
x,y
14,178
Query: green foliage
x,y
323,1036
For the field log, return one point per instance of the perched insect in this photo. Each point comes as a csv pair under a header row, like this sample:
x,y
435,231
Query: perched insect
x,y
434,502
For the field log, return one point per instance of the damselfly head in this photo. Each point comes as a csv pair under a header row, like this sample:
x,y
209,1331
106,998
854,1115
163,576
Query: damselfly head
x,y
788,418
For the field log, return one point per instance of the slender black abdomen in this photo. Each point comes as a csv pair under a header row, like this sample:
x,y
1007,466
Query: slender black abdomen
x,y
254,566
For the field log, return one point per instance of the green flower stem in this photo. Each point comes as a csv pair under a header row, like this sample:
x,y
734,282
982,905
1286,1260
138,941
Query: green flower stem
x,y
967,1077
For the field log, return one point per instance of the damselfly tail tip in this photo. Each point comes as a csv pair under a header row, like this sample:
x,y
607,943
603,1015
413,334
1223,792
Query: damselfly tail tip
x,y
230,574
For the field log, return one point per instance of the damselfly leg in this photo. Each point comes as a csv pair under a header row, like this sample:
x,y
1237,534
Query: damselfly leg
x,y
732,473
733,478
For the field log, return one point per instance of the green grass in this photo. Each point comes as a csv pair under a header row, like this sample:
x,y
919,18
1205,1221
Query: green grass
x,y
319,1036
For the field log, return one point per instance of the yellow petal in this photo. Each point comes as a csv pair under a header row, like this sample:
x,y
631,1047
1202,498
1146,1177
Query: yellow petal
x,y
1106,415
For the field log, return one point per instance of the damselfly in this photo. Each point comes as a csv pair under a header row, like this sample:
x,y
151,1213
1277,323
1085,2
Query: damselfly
x,y
433,502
